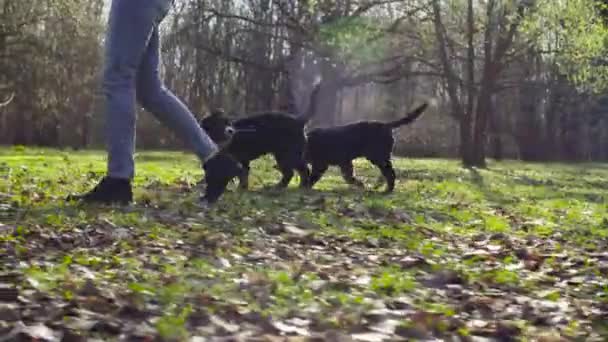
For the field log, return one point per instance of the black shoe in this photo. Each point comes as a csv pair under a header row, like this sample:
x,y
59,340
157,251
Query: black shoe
x,y
108,191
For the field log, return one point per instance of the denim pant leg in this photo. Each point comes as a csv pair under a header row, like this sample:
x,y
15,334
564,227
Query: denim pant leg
x,y
168,109
130,25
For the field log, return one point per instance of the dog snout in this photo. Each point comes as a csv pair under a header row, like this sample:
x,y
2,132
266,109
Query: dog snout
x,y
230,130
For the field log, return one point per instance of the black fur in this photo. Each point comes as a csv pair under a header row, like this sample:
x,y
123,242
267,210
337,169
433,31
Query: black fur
x,y
276,133
219,171
340,145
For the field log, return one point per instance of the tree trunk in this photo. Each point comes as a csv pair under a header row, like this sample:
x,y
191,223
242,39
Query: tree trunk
x,y
466,143
553,116
480,127
464,117
486,90
466,126
495,132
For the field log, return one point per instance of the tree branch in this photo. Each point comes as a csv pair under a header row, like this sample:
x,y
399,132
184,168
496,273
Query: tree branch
x,y
440,33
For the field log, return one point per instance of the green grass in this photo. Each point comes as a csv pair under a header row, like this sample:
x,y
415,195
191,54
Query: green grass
x,y
513,251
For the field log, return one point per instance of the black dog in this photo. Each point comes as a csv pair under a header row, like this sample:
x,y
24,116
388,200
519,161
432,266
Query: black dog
x,y
219,171
222,168
276,133
340,145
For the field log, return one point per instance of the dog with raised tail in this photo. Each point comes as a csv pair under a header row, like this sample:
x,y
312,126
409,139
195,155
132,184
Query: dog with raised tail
x,y
340,145
277,133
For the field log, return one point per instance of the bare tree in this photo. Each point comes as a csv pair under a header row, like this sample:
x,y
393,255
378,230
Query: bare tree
x,y
531,90
501,26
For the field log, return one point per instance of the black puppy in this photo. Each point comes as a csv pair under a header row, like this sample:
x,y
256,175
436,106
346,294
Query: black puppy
x,y
222,168
340,145
276,133
219,171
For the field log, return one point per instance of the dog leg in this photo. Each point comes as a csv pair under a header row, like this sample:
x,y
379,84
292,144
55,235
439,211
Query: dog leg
x,y
304,173
219,171
348,173
386,167
215,190
287,172
244,176
316,173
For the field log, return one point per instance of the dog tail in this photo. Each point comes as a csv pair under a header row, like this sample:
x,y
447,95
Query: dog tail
x,y
312,105
409,118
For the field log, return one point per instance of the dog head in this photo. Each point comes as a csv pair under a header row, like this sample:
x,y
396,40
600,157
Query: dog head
x,y
218,126
219,171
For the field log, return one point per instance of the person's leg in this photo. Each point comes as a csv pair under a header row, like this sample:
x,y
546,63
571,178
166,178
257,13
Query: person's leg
x,y
168,109
130,24
130,27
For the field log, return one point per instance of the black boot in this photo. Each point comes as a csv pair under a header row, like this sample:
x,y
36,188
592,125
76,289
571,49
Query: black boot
x,y
108,191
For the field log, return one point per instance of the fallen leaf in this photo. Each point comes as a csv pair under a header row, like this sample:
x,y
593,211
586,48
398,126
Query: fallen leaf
x,y
363,280
411,262
386,327
37,332
290,329
198,339
494,248
78,323
226,326
121,233
293,230
370,337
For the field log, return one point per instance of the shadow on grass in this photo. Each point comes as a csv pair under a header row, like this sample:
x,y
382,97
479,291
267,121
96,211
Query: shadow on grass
x,y
542,189
476,177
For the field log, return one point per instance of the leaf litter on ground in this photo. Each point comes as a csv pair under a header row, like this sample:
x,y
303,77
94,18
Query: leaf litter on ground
x,y
441,259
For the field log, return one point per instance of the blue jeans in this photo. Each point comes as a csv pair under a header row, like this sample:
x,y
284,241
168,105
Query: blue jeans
x,y
131,74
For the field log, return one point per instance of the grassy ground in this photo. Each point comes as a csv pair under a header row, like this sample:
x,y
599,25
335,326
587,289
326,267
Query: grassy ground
x,y
516,252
